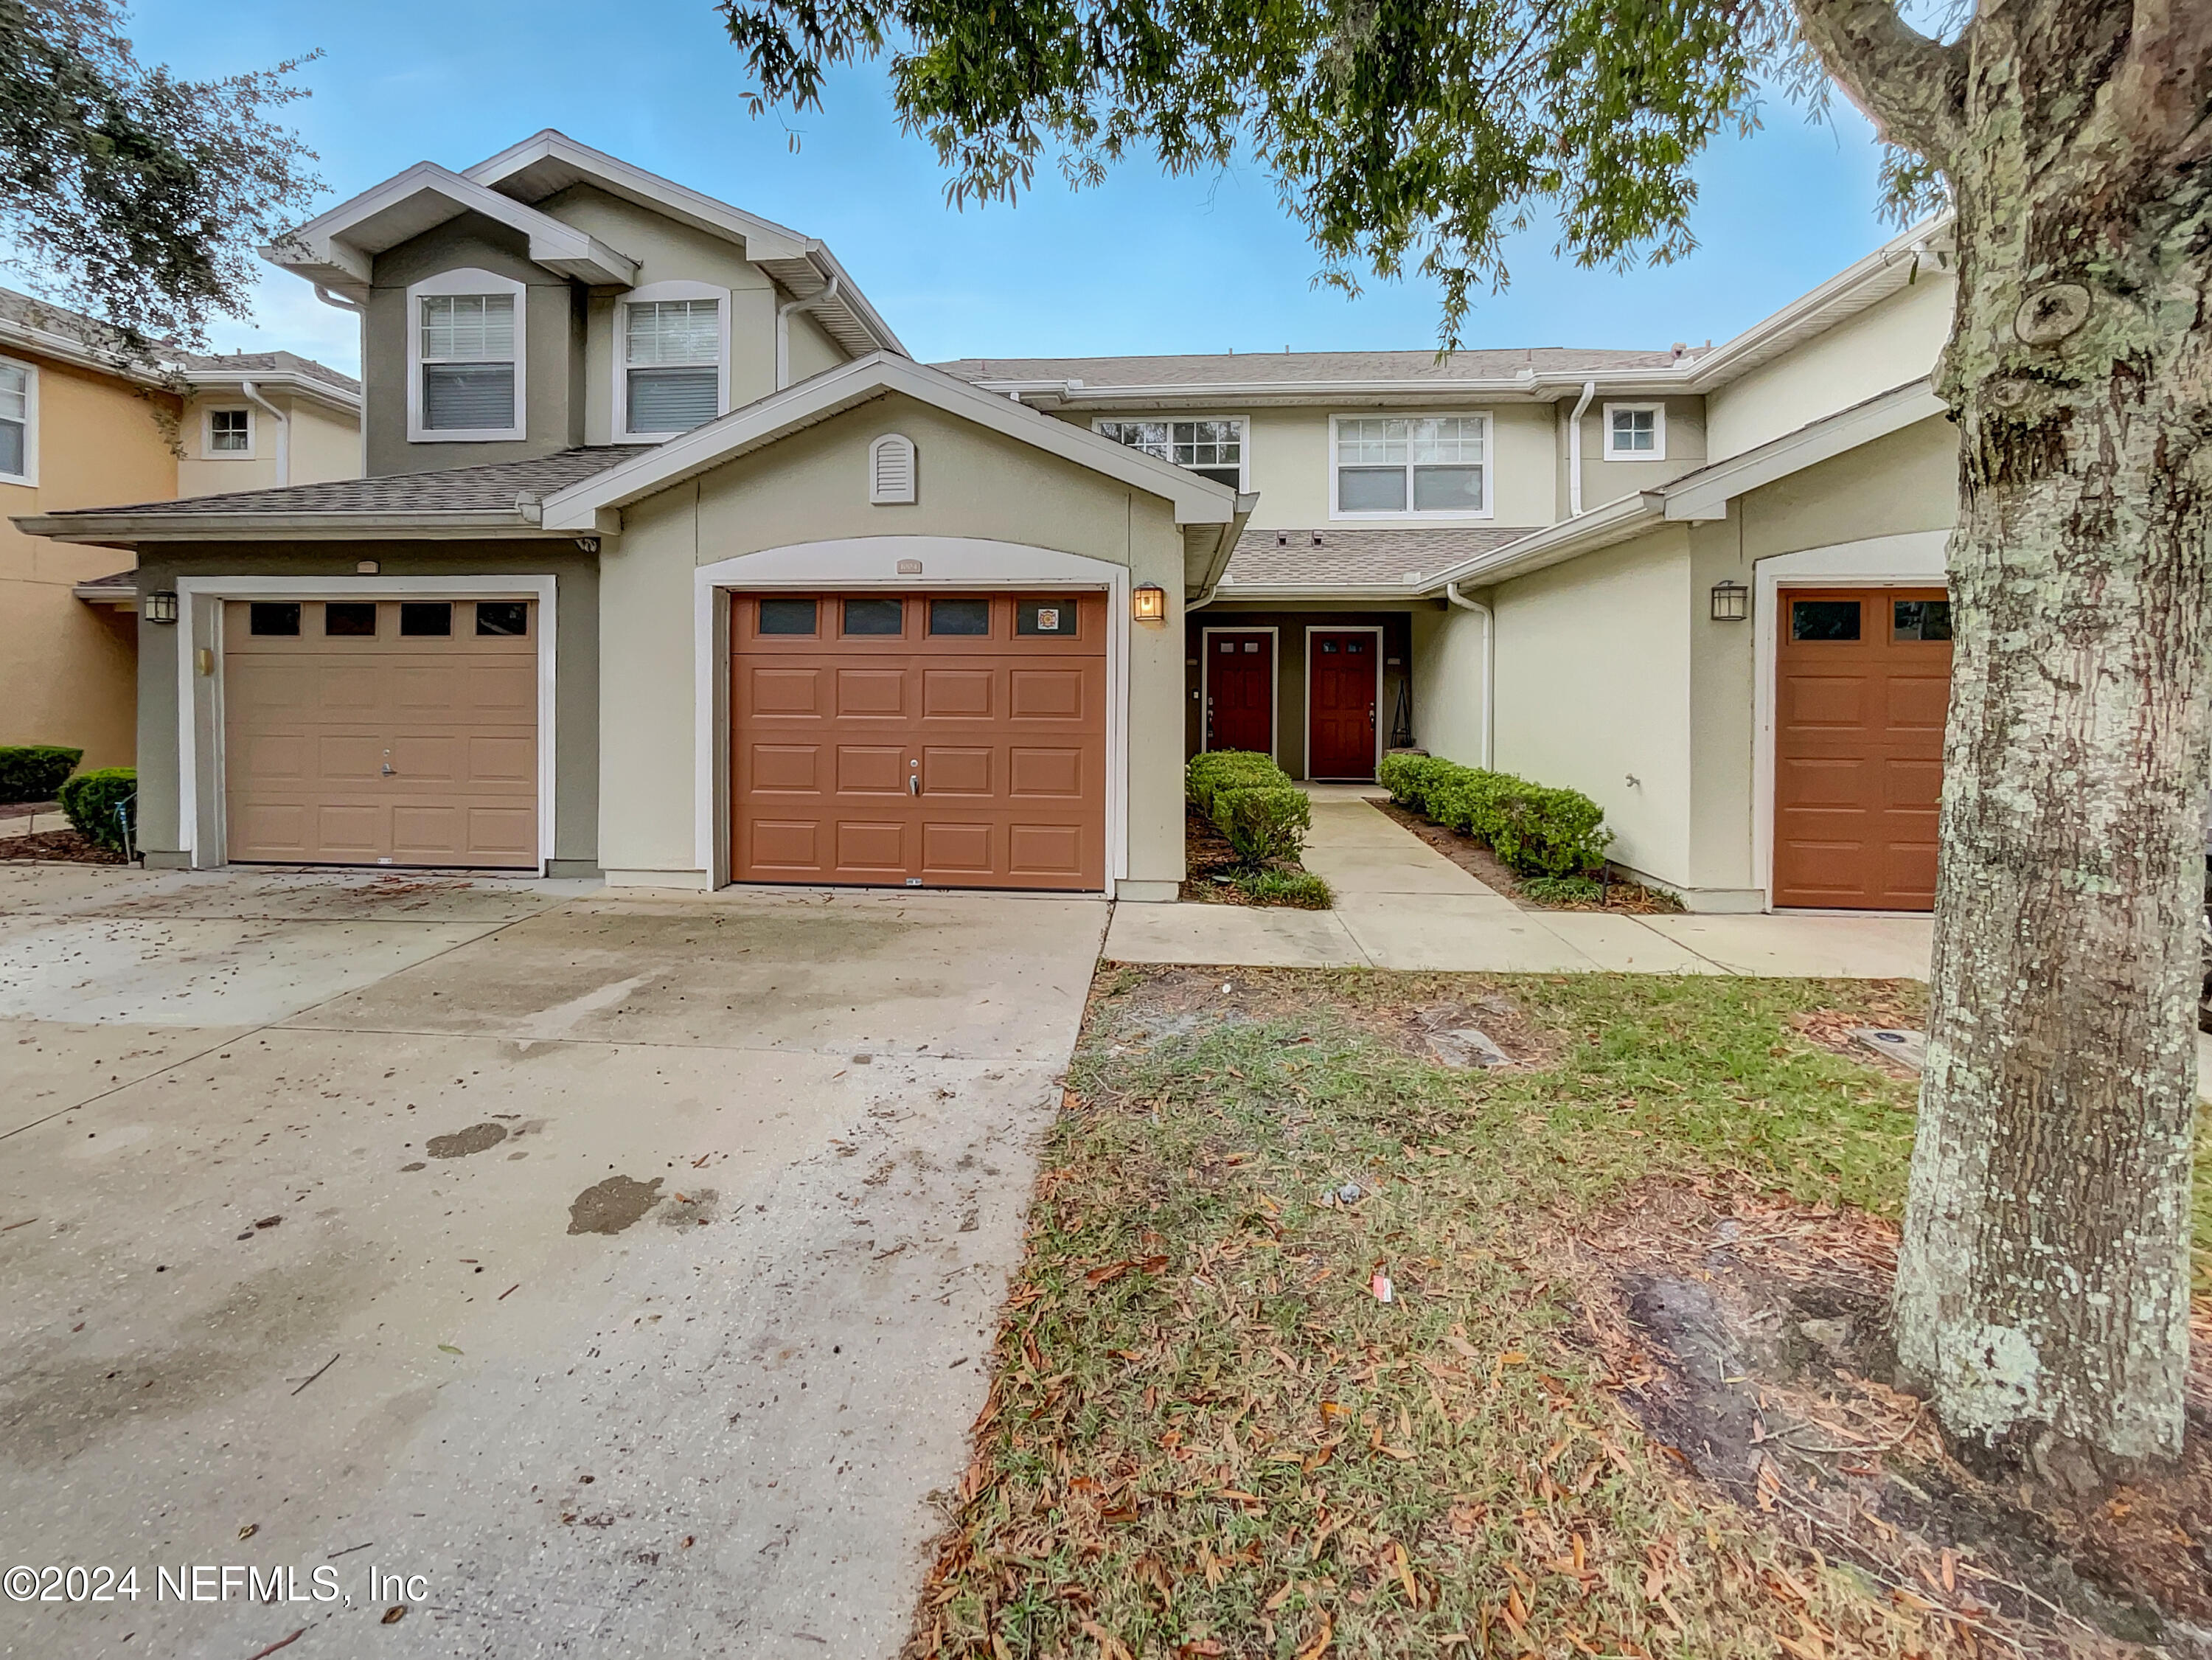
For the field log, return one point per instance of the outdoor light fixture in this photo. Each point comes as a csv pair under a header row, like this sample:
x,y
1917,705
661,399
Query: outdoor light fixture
x,y
1149,604
1731,602
159,607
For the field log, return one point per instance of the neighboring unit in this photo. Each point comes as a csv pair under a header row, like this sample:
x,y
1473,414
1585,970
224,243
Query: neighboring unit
x,y
82,421
670,564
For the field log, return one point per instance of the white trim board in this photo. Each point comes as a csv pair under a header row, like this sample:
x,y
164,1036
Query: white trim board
x,y
1312,629
872,562
1275,687
200,826
1916,559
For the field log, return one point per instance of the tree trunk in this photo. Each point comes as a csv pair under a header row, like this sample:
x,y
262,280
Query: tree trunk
x,y
2043,1288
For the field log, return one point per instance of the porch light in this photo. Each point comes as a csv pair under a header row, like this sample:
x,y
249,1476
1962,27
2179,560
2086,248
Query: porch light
x,y
1731,602
160,607
1149,603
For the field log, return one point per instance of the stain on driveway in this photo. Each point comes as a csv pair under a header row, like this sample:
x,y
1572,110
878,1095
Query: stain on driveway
x,y
700,1437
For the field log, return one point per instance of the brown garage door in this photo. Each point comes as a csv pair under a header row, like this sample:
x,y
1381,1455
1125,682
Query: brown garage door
x,y
1862,678
381,732
952,740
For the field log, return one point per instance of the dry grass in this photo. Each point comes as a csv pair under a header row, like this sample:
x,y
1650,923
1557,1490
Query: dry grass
x,y
1208,1435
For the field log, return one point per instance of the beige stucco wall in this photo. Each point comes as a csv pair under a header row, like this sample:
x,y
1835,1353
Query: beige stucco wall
x,y
1447,682
1594,690
1889,344
811,487
812,351
68,670
1605,481
325,444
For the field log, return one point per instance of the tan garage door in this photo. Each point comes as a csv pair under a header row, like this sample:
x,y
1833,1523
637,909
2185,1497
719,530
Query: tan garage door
x,y
1862,680
381,732
946,740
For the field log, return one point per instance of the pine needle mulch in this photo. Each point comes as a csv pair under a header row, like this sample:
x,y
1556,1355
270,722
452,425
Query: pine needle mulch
x,y
1211,1433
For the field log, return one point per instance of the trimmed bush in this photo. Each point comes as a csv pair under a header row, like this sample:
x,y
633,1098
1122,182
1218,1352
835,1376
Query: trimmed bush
x,y
1298,889
1263,823
91,800
1216,770
33,772
1536,829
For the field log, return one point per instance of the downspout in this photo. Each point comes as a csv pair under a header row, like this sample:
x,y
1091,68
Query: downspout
x,y
1575,450
1489,669
360,415
253,395
783,328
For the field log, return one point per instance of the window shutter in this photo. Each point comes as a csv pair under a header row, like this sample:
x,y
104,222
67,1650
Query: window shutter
x,y
891,470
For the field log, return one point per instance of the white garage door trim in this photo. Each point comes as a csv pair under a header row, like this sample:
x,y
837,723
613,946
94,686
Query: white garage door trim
x,y
873,562
202,834
1913,559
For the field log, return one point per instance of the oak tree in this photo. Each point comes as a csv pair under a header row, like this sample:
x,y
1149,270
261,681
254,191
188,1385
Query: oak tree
x,y
130,194
2042,1294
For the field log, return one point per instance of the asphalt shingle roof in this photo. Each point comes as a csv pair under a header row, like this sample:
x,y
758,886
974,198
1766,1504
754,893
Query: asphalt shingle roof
x,y
1210,368
95,336
1360,555
452,490
245,364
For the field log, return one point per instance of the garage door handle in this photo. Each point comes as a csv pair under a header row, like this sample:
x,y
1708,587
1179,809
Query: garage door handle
x,y
913,783
389,769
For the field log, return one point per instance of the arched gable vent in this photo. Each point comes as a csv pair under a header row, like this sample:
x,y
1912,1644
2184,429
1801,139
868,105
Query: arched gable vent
x,y
891,470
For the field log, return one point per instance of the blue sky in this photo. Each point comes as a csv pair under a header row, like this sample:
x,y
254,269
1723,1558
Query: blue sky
x,y
1144,264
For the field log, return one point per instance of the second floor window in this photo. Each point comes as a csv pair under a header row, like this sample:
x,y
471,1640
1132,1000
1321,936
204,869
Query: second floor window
x,y
468,363
15,420
673,353
230,431
1424,464
1212,448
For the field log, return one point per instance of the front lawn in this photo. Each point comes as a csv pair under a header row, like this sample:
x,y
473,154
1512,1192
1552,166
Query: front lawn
x,y
1325,1348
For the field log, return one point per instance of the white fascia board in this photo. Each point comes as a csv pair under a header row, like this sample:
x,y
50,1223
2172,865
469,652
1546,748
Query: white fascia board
x,y
763,239
1706,493
1601,528
329,242
1196,501
69,348
130,530
204,381
1373,592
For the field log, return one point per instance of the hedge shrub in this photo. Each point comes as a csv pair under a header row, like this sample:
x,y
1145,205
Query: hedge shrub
x,y
1218,770
33,772
1536,829
1265,822
91,800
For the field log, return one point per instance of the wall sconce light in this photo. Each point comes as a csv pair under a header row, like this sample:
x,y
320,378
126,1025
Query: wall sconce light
x,y
1149,603
1731,602
159,607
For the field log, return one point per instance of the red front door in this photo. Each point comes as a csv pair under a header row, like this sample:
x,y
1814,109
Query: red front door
x,y
1240,692
1342,683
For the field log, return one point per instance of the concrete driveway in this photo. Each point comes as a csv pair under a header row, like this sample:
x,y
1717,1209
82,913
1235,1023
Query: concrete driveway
x,y
578,1273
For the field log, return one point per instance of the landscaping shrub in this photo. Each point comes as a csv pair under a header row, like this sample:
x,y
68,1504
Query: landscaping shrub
x,y
1217,770
33,772
1297,888
1410,777
1264,822
1564,891
1537,829
91,799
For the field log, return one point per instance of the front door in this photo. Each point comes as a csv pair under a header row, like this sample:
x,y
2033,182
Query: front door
x,y
1863,678
1240,692
939,740
1344,681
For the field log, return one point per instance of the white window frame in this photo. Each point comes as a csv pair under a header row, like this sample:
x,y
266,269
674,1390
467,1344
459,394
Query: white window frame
x,y
618,352
1243,423
1658,450
466,281
1411,515
209,452
30,473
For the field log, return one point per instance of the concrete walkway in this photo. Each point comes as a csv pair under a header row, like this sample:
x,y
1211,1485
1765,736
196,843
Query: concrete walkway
x,y
1401,904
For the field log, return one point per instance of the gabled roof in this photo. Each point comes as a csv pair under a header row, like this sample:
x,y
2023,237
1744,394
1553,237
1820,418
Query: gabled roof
x,y
337,249
548,162
590,505
1703,494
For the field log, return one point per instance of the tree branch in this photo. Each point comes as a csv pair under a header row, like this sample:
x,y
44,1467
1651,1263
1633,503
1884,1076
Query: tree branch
x,y
1912,87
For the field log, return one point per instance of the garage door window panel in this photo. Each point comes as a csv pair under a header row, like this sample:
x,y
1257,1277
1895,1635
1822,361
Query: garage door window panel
x,y
273,619
425,619
349,620
787,616
874,618
959,618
